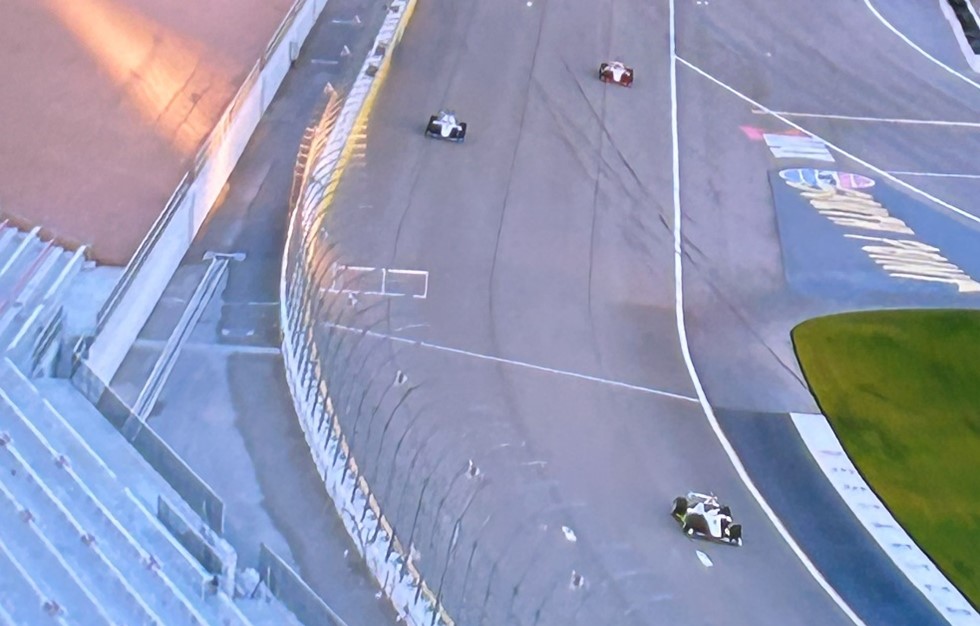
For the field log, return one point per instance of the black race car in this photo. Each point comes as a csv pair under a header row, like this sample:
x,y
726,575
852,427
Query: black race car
x,y
444,125
616,72
703,516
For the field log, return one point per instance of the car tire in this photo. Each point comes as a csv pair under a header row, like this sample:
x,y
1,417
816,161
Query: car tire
x,y
735,533
679,507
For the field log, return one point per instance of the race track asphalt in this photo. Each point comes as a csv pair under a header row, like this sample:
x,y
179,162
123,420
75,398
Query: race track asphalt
x,y
838,61
545,349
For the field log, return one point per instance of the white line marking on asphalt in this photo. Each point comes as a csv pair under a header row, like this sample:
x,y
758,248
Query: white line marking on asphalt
x,y
686,350
213,348
382,290
933,174
703,558
409,327
832,146
531,366
863,118
915,47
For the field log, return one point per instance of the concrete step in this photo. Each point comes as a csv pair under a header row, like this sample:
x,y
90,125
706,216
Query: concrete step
x,y
45,273
106,442
21,599
8,239
34,280
77,545
18,260
150,559
135,513
126,463
41,566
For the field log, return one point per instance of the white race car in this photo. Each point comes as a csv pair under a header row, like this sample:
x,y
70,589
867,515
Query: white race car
x,y
616,72
444,125
703,516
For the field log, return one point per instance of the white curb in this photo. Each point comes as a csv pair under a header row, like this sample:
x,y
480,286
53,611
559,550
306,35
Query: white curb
x,y
826,449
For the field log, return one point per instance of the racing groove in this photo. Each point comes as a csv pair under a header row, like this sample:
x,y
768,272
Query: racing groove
x,y
547,240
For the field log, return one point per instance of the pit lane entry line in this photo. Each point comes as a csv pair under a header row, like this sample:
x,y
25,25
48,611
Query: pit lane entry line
x,y
685,347
504,361
864,118
832,146
934,174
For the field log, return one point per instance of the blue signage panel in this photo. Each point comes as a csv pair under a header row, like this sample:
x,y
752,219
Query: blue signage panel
x,y
847,234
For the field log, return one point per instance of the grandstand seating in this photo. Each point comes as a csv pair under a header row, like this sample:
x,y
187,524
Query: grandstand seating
x,y
83,537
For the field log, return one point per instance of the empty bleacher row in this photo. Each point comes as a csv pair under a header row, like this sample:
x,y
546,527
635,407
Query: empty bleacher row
x,y
89,532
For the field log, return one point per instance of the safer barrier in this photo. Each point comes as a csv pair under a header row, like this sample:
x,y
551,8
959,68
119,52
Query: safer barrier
x,y
963,18
326,153
158,255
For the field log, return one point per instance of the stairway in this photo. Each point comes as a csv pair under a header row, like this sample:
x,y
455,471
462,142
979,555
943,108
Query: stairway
x,y
34,276
80,537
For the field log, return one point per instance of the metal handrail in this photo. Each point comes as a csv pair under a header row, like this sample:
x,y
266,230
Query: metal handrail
x,y
284,26
142,252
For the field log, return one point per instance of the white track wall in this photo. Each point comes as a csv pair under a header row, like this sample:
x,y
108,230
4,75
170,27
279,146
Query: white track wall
x,y
388,560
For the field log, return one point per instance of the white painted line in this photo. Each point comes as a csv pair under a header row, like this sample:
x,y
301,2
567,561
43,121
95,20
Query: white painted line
x,y
832,146
338,270
915,47
686,350
797,147
933,174
862,118
531,366
827,451
213,349
703,558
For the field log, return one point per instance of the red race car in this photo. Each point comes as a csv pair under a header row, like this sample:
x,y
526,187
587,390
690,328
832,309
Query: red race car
x,y
616,72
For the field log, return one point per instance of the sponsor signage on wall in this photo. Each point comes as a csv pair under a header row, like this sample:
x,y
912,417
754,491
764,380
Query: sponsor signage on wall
x,y
841,230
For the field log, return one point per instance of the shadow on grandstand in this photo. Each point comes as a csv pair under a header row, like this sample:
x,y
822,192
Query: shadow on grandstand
x,y
100,521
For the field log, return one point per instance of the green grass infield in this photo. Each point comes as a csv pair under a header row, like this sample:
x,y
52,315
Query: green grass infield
x,y
902,391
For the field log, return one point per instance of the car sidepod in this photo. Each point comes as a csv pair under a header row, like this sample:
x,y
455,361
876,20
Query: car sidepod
x,y
679,508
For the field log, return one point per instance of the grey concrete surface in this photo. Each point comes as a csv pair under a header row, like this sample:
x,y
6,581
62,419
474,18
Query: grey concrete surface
x,y
226,407
104,103
742,306
547,239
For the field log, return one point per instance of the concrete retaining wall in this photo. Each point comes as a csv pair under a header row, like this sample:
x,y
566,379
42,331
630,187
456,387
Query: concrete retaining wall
x,y
159,255
965,22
